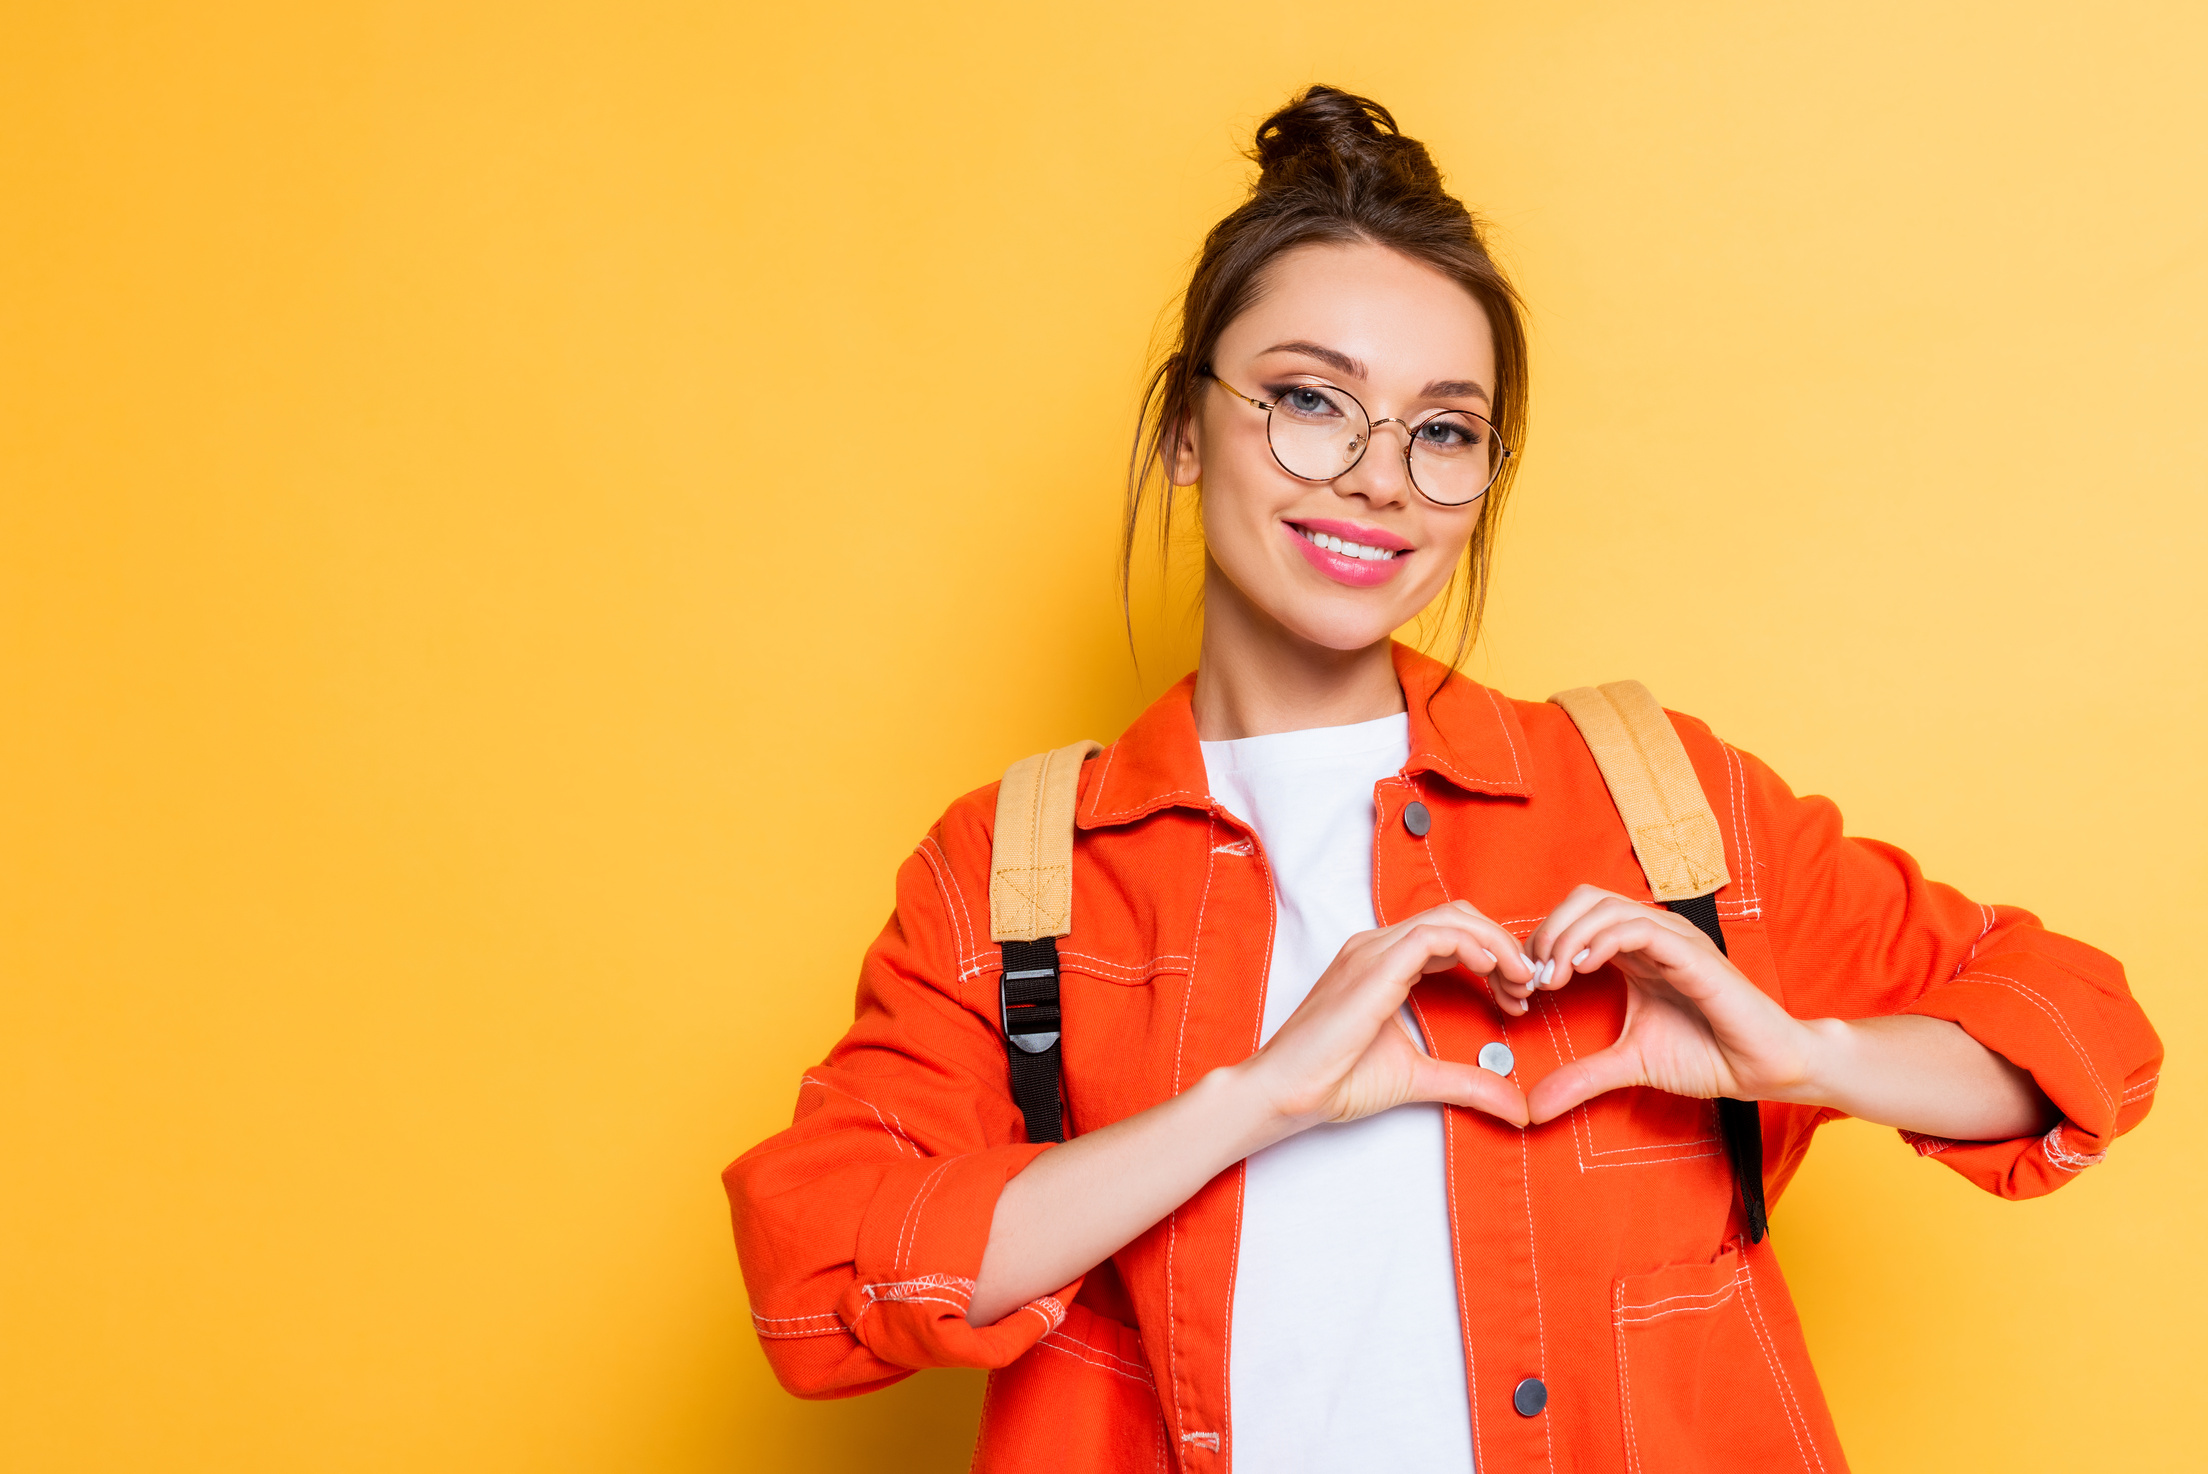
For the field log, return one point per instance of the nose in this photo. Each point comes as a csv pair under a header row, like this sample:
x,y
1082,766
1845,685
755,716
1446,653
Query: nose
x,y
1382,476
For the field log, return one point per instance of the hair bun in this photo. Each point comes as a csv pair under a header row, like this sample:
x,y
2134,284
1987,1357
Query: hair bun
x,y
1338,133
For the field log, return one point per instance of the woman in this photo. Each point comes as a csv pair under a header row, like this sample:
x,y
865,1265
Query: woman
x,y
1392,1139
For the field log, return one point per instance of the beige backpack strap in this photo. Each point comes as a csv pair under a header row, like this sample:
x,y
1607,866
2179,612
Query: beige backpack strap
x,y
1674,831
1031,869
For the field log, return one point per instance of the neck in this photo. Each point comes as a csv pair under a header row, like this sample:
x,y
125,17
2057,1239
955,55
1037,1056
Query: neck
x,y
1255,676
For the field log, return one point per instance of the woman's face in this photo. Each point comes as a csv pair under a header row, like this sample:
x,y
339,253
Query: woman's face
x,y
1407,342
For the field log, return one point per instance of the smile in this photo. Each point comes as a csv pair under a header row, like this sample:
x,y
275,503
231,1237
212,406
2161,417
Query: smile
x,y
1346,549
1336,553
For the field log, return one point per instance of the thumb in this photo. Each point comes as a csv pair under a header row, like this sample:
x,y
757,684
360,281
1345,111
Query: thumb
x,y
1454,1083
1581,1080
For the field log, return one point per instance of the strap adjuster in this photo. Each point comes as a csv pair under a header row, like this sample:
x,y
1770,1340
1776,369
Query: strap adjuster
x,y
1027,997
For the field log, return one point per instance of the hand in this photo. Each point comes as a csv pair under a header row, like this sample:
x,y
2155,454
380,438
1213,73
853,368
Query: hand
x,y
1345,1052
1694,1024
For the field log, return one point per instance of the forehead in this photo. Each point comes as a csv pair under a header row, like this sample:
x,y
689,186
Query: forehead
x,y
1399,317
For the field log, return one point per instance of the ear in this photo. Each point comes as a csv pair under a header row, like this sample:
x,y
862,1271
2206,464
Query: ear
x,y
1184,463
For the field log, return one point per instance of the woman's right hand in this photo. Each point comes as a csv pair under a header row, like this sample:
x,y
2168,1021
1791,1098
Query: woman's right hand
x,y
1341,1055
1345,1052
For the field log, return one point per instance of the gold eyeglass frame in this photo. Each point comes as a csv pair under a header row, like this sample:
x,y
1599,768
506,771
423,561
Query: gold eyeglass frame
x,y
1410,441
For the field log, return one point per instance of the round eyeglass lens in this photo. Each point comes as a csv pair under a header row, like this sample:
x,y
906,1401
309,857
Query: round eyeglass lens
x,y
1317,433
1455,457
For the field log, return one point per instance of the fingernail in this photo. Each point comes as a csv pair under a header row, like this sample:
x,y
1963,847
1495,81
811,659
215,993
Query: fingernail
x,y
1582,957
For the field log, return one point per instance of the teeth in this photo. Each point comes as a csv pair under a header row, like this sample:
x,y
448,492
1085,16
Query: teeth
x,y
1333,544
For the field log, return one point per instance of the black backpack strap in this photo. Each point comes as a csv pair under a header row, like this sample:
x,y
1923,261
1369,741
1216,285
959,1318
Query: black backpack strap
x,y
1740,1122
1028,998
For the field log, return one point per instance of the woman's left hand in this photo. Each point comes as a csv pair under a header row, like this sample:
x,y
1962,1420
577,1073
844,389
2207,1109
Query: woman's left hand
x,y
1694,1024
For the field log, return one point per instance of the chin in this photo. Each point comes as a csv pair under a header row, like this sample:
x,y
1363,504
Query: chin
x,y
1345,631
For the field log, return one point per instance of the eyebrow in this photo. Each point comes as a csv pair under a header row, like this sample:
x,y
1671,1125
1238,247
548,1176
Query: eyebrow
x,y
1343,363
1454,389
1332,358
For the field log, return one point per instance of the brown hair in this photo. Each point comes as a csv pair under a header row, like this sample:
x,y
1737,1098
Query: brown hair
x,y
1332,168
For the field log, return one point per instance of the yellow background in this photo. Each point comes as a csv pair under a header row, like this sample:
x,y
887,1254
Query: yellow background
x,y
514,518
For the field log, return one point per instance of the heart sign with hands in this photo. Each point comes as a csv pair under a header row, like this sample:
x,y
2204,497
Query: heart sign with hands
x,y
1345,1053
1694,1023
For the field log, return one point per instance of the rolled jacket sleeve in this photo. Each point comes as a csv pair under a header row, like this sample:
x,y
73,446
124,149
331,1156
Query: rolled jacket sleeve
x,y
1857,931
861,1227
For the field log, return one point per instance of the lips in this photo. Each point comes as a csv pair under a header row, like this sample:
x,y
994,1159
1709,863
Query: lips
x,y
1360,557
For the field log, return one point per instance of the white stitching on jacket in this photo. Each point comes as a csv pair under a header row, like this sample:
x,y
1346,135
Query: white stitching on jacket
x,y
761,1326
946,885
896,1133
1795,1422
2054,1016
1533,1258
1173,1219
1560,1040
1517,768
1067,1346
903,1257
907,1292
975,963
1751,884
1724,1296
1625,1382
2065,1159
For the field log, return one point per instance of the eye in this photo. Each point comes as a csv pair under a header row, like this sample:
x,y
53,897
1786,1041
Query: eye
x,y
1307,402
1452,432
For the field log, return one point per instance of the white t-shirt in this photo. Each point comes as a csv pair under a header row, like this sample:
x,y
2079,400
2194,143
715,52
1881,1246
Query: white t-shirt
x,y
1345,1350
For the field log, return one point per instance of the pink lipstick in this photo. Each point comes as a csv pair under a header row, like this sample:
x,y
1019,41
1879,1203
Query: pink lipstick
x,y
1361,557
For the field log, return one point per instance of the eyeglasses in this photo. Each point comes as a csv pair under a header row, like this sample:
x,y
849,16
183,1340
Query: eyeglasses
x,y
1318,432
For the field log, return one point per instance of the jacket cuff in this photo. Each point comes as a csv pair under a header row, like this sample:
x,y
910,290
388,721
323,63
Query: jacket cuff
x,y
2037,1026
919,1249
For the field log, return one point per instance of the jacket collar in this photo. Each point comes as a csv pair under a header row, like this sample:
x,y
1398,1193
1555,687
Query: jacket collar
x,y
1461,731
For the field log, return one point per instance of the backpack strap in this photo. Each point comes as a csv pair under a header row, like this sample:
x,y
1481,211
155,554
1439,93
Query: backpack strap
x,y
1682,851
1030,908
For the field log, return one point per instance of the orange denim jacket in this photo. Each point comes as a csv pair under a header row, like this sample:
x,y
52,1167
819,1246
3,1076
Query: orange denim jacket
x,y
1602,1252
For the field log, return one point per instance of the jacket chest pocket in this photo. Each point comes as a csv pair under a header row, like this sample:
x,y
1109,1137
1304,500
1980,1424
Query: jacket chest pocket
x,y
1635,1126
1121,1022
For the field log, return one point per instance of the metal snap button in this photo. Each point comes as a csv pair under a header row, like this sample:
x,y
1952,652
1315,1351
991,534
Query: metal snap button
x,y
1497,1057
1529,1396
1417,819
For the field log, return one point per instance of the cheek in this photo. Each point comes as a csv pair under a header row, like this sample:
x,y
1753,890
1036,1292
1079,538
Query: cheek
x,y
1447,552
1239,503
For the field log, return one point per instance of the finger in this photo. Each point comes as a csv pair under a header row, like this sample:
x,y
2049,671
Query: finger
x,y
1509,997
1581,900
1418,1043
1436,946
1510,956
1375,972
1550,974
1511,959
1455,1083
1581,1080
1615,924
1685,960
1438,940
